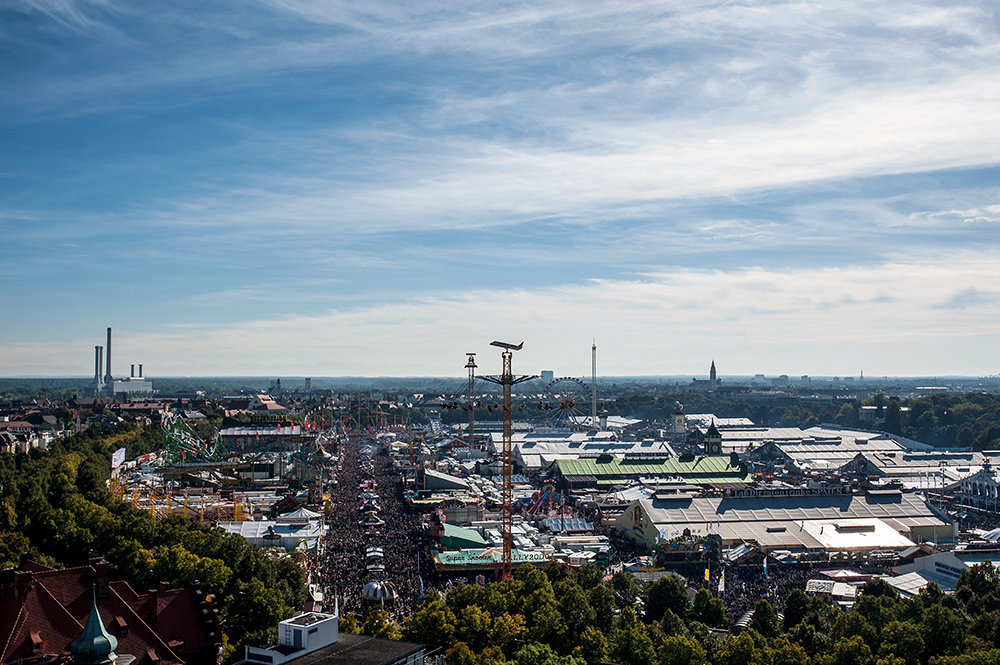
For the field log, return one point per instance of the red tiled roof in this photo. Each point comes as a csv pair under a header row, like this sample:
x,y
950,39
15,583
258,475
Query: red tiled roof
x,y
39,603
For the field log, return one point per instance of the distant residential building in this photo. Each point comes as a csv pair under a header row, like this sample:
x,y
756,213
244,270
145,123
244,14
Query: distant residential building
x,y
264,402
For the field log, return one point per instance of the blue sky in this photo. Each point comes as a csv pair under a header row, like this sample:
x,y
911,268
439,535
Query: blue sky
x,y
293,187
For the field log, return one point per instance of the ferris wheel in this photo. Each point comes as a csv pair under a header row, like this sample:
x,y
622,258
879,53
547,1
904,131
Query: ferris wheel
x,y
567,402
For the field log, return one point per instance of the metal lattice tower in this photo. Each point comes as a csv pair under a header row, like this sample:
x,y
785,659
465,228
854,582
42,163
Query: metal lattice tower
x,y
507,380
471,366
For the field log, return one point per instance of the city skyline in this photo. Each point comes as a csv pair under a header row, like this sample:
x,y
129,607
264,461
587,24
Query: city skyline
x,y
305,189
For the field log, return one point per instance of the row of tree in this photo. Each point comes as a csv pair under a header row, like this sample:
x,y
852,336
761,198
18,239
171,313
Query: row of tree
x,y
553,616
968,420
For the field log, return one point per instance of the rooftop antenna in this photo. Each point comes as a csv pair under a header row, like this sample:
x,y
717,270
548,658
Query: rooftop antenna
x,y
507,380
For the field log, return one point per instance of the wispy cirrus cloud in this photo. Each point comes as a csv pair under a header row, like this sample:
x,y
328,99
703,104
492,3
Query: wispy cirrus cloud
x,y
754,171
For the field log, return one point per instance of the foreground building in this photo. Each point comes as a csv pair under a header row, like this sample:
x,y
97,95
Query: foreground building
x,y
44,612
315,639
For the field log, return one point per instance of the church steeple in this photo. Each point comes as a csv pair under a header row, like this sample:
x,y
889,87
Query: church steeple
x,y
95,645
711,373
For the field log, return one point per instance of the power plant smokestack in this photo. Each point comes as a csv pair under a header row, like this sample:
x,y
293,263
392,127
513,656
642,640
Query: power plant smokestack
x,y
97,363
108,378
133,371
140,370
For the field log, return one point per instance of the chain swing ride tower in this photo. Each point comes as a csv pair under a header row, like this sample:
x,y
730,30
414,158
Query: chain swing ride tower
x,y
507,380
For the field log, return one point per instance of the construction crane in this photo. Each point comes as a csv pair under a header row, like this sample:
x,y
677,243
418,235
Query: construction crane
x,y
507,380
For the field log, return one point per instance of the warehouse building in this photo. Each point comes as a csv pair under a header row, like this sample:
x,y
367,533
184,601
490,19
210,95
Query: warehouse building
x,y
807,519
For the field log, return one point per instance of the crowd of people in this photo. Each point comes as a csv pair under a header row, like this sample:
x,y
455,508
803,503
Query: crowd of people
x,y
746,584
367,511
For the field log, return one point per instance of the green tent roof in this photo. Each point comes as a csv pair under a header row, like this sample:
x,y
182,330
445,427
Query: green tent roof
x,y
465,538
690,468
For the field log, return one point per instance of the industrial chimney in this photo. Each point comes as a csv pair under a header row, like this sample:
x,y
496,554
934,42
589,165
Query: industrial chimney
x,y
97,363
140,370
108,378
132,376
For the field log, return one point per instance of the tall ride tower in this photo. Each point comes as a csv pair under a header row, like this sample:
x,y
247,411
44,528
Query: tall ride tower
x,y
593,386
507,380
471,366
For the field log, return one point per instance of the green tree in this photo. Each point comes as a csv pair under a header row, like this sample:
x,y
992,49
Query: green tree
x,y
738,650
851,651
460,654
592,647
602,601
978,589
379,624
666,593
547,626
630,645
681,651
507,631
574,605
472,626
893,417
809,638
708,609
943,631
902,640
765,619
432,623
557,571
796,608
625,588
589,576
534,653
213,574
348,624
879,587
673,625
784,652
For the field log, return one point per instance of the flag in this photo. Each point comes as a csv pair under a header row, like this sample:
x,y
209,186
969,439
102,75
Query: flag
x,y
706,574
765,567
722,582
117,458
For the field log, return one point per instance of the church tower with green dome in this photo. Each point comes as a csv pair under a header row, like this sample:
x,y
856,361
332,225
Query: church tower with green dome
x,y
95,645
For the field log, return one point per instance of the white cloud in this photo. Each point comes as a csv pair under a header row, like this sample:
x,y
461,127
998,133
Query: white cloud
x,y
928,315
